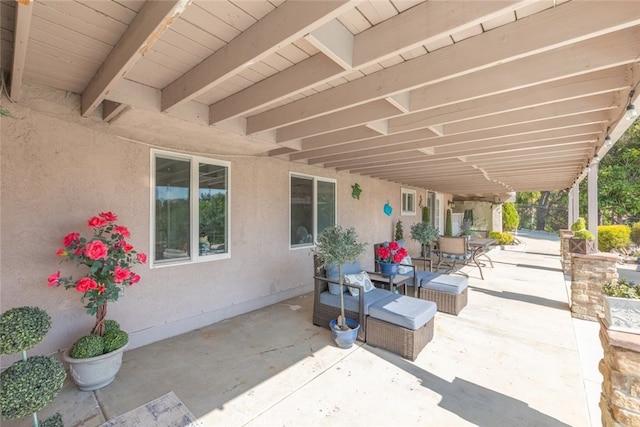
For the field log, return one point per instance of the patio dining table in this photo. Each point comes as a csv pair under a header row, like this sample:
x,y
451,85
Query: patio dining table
x,y
480,247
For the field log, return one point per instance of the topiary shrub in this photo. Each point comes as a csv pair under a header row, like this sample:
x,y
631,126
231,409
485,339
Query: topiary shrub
x,y
29,385
580,224
635,233
426,214
502,238
583,234
510,217
114,339
53,421
613,237
448,225
21,328
111,325
87,346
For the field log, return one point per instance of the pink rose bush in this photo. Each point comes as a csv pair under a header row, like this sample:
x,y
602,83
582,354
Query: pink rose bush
x,y
393,253
107,258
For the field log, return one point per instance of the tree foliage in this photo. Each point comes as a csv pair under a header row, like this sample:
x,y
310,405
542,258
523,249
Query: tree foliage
x,y
619,179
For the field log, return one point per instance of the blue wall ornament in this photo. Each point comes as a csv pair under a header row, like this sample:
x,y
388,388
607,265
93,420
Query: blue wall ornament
x,y
387,209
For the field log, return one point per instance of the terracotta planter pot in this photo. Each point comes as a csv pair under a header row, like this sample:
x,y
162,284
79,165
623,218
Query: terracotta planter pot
x,y
95,372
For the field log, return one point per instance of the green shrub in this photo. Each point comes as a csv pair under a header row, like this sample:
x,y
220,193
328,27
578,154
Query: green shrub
x,y
54,420
87,346
613,237
580,224
111,325
113,340
622,289
583,234
502,238
635,233
29,385
21,328
510,217
448,225
426,214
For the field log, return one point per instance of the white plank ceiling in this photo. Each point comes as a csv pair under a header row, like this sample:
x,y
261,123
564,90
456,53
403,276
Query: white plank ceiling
x,y
473,98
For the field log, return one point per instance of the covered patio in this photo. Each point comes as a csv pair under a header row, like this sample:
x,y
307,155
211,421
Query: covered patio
x,y
273,112
513,356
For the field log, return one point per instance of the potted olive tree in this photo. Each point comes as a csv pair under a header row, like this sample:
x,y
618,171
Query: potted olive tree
x,y
622,306
31,383
424,233
336,246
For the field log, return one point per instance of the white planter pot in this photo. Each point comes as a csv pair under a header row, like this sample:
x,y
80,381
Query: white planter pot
x,y
622,314
95,372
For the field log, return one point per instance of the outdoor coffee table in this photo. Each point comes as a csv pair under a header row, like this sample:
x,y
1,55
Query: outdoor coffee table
x,y
393,281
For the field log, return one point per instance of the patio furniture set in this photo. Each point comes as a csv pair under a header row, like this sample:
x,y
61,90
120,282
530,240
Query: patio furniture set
x,y
402,324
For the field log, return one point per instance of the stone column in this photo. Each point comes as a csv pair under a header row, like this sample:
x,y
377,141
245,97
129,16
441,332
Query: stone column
x,y
565,255
588,274
620,369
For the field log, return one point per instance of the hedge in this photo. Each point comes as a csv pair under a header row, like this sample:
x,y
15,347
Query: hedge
x,y
613,237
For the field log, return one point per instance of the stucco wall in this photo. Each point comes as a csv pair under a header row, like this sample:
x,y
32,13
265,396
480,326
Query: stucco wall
x,y
58,169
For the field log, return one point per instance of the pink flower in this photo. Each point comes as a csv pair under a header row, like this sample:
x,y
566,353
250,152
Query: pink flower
x,y
101,289
61,252
394,246
96,249
122,230
127,248
95,222
108,216
85,284
134,279
121,274
54,279
71,238
79,251
142,257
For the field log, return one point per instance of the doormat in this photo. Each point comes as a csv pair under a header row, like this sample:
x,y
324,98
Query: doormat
x,y
165,411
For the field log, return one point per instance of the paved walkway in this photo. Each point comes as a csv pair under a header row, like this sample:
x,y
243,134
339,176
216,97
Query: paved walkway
x,y
513,357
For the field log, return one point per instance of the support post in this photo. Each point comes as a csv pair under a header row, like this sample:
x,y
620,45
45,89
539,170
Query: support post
x,y
592,195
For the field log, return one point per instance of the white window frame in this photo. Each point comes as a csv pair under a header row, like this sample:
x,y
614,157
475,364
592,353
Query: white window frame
x,y
194,256
407,194
315,180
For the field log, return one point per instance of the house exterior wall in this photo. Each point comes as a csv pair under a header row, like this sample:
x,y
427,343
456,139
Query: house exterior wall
x,y
58,169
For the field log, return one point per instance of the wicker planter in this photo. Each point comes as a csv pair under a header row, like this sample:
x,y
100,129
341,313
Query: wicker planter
x,y
622,314
582,246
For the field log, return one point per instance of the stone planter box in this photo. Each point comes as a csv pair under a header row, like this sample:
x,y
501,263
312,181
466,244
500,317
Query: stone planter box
x,y
582,246
622,314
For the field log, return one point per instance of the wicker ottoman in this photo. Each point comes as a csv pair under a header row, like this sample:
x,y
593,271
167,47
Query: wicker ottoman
x,y
447,291
401,324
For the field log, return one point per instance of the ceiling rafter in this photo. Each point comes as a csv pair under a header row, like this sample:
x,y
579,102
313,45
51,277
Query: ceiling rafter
x,y
148,26
282,26
462,58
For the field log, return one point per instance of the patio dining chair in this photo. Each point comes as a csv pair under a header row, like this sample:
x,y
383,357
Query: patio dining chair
x,y
454,251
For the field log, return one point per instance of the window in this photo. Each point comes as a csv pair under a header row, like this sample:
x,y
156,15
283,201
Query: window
x,y
190,209
312,208
408,201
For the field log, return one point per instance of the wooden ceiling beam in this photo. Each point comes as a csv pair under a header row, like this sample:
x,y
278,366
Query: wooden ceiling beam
x,y
285,24
523,38
382,147
24,11
153,19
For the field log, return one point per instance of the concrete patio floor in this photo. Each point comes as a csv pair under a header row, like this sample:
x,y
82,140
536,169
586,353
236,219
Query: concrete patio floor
x,y
513,357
